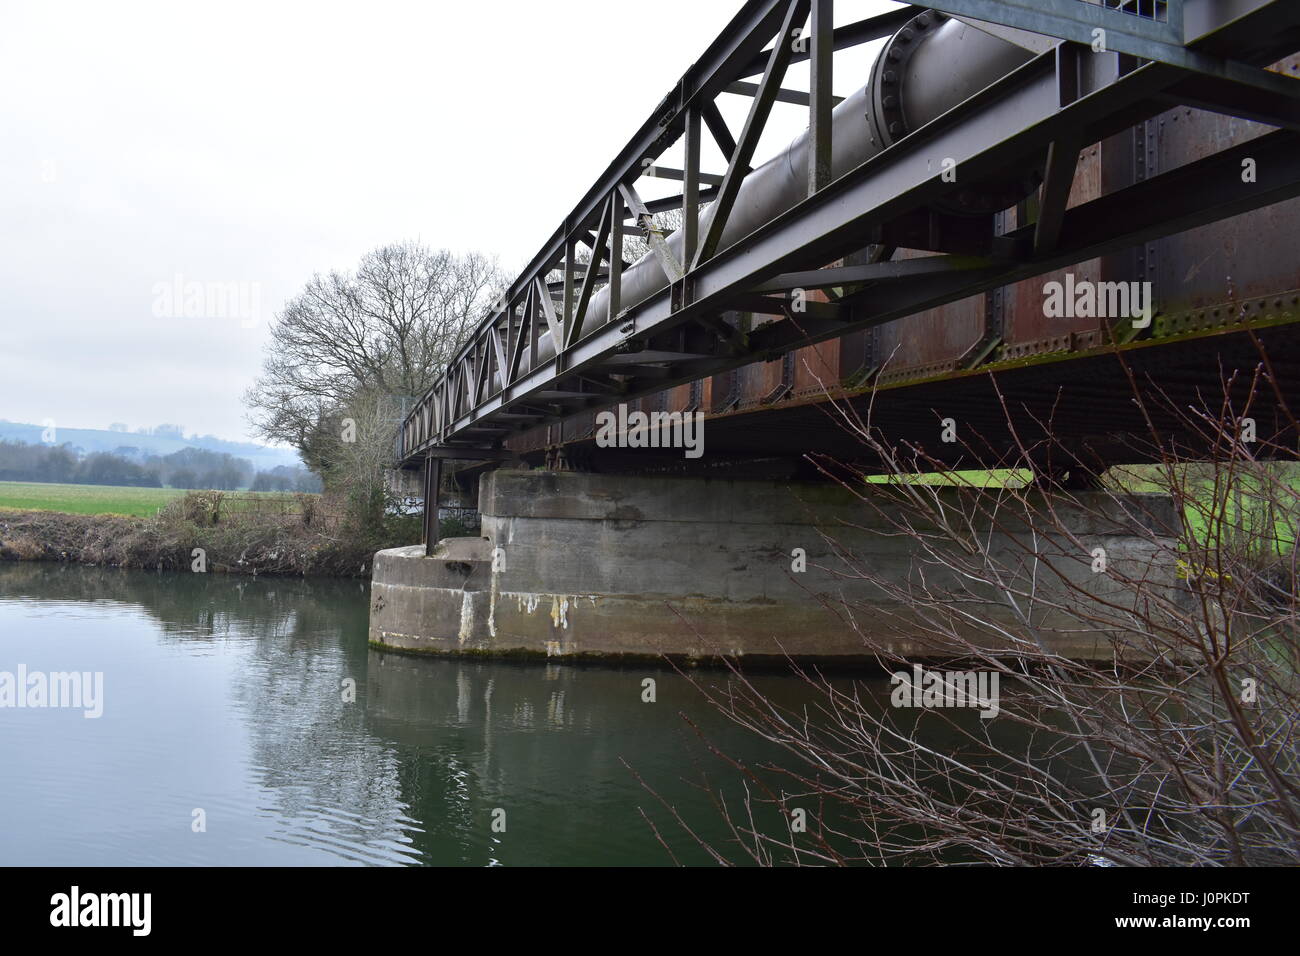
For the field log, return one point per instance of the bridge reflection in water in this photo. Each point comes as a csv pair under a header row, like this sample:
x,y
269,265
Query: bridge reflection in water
x,y
225,694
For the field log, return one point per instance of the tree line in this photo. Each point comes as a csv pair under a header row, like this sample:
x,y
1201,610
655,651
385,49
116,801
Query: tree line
x,y
190,468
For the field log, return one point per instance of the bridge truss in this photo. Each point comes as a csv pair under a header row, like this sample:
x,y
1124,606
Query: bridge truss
x,y
1207,54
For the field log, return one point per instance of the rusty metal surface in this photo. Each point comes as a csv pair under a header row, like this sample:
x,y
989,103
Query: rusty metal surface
x,y
1251,255
929,338
816,366
1087,401
1024,320
931,341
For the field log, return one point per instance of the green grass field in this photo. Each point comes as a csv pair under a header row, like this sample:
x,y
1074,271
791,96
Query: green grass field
x,y
84,499
105,499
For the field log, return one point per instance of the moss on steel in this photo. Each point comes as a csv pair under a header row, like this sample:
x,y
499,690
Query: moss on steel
x,y
1221,319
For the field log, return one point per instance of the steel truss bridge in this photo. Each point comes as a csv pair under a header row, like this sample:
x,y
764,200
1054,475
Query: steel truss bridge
x,y
865,243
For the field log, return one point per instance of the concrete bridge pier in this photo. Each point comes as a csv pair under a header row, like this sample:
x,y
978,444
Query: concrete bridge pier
x,y
577,566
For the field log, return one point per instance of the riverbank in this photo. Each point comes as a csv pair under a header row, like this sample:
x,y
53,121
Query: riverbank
x,y
184,537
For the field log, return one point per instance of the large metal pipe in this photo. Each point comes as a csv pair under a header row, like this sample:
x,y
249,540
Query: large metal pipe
x,y
925,69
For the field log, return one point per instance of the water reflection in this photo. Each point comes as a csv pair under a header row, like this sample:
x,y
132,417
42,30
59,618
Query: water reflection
x,y
232,695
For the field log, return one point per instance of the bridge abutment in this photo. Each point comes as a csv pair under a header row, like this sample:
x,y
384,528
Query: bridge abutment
x,y
576,566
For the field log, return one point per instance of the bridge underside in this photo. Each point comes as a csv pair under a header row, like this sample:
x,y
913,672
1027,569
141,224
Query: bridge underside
x,y
1113,406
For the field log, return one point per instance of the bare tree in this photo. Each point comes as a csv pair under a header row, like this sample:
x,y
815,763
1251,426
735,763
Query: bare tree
x,y
635,245
355,347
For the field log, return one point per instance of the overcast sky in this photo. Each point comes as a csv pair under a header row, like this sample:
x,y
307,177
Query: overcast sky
x,y
254,143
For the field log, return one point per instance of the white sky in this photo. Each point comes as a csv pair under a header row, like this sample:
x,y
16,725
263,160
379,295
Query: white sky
x,y
259,142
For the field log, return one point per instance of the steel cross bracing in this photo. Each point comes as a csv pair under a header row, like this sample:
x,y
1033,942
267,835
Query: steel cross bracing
x,y
1203,53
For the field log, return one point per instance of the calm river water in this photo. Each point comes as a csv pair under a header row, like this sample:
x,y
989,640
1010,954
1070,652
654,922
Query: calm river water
x,y
228,696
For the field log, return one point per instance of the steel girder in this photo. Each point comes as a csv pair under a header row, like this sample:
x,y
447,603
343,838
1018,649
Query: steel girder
x,y
1208,53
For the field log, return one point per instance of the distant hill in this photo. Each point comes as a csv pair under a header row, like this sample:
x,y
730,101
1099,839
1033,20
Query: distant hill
x,y
90,440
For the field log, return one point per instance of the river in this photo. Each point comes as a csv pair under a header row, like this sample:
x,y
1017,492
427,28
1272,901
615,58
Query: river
x,y
231,733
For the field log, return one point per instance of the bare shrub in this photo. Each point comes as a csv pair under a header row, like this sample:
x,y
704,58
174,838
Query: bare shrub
x,y
1175,744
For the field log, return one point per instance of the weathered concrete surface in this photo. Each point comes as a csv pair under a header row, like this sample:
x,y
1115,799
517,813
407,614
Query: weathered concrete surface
x,y
582,565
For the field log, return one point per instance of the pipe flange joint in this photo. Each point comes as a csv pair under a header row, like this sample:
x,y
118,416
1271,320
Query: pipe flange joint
x,y
888,122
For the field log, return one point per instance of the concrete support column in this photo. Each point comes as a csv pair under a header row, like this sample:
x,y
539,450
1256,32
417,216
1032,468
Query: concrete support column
x,y
588,565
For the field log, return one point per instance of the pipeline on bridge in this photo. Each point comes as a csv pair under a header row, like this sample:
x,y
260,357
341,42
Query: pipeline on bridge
x,y
1057,163
929,66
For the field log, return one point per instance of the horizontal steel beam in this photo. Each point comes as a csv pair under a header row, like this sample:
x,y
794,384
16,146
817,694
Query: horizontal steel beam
x,y
1217,95
467,453
1149,39
674,202
797,97
650,357
871,272
667,172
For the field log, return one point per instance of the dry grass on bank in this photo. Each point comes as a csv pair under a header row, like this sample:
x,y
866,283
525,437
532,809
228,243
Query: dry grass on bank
x,y
198,530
